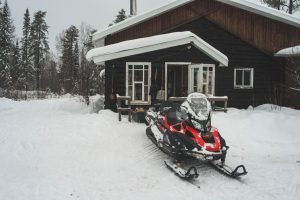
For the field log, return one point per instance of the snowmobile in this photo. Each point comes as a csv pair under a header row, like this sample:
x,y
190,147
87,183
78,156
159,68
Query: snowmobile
x,y
184,132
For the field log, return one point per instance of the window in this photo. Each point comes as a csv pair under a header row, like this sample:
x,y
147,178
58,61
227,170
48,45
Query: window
x,y
138,79
243,78
202,78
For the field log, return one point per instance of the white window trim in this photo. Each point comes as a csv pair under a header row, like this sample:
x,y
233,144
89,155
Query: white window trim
x,y
251,79
200,66
166,74
133,102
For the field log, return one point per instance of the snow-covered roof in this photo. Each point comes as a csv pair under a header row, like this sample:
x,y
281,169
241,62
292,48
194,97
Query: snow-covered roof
x,y
154,43
242,4
264,11
138,19
291,51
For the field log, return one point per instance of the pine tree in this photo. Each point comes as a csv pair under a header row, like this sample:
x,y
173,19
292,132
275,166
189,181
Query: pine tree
x,y
28,75
289,6
76,69
49,78
6,46
16,69
38,44
53,77
1,11
121,16
292,6
277,4
1,14
89,72
69,67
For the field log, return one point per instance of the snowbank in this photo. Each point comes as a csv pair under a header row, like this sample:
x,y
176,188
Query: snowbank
x,y
58,149
97,103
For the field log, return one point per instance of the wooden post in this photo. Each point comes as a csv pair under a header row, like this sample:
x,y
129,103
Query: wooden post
x,y
225,106
119,106
129,112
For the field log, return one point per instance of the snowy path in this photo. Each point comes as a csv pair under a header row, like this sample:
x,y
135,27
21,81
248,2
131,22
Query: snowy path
x,y
56,149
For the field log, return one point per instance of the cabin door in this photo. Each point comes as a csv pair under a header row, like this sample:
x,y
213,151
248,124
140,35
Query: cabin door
x,y
177,82
176,79
202,78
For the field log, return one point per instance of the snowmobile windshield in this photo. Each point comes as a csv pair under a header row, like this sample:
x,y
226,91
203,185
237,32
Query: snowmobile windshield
x,y
198,106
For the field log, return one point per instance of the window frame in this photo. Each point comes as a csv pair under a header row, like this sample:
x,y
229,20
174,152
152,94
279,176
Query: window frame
x,y
133,82
200,81
243,86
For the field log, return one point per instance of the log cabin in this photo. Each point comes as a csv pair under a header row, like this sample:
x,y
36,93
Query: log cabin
x,y
216,47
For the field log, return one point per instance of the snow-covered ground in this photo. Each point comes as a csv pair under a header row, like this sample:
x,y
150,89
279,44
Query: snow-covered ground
x,y
57,149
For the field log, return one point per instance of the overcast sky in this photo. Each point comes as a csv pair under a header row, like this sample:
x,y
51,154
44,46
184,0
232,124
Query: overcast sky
x,y
63,13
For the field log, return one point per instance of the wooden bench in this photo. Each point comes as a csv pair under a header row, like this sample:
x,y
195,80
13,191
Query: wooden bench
x,y
177,99
212,100
121,109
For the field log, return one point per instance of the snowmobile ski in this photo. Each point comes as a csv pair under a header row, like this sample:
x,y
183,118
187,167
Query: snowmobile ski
x,y
234,173
189,174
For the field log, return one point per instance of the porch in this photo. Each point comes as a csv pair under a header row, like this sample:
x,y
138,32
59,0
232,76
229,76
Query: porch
x,y
138,114
148,83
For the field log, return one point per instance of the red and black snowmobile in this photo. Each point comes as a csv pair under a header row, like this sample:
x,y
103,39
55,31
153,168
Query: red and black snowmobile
x,y
185,132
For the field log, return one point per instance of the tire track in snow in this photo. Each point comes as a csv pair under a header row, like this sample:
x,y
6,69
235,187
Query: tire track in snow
x,y
294,190
3,138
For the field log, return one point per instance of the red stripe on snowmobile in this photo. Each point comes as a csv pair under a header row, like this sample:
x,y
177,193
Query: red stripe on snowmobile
x,y
212,147
199,140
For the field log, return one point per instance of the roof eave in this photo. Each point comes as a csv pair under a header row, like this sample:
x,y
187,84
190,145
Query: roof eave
x,y
194,40
138,19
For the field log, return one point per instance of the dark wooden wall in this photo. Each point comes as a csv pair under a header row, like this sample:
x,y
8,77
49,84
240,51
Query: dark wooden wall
x,y
266,34
157,58
240,54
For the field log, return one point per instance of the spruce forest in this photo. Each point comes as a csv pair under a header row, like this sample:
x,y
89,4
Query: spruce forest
x,y
29,66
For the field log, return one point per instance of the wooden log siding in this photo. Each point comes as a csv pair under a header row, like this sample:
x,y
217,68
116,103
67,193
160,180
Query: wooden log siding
x,y
266,34
175,54
240,54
